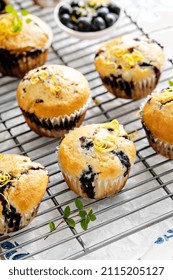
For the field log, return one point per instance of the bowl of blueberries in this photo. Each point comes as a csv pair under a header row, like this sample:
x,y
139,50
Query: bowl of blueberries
x,y
87,19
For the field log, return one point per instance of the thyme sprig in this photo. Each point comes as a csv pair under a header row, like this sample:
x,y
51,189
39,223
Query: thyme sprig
x,y
86,216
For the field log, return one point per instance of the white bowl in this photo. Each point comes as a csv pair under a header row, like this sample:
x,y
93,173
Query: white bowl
x,y
80,34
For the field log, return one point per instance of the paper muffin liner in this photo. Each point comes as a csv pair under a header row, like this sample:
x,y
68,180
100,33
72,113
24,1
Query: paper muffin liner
x,y
18,63
56,126
161,147
130,90
101,188
26,218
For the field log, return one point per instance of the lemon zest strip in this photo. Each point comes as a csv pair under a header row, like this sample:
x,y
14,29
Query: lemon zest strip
x,y
114,124
5,179
106,144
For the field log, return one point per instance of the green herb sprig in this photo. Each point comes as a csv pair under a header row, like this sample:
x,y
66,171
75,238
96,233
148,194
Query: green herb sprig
x,y
86,216
16,20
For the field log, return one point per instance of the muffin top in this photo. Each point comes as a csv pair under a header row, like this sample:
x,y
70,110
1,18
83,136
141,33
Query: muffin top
x,y
131,58
53,90
157,114
102,150
34,35
22,183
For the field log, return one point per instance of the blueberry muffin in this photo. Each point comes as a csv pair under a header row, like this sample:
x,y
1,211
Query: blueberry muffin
x,y
3,3
23,50
157,120
129,67
95,160
22,186
53,99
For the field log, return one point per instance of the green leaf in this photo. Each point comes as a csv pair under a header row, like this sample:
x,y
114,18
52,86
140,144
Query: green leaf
x,y
25,12
78,203
67,212
14,13
90,212
170,83
52,226
9,8
71,223
87,219
28,20
92,217
84,225
82,213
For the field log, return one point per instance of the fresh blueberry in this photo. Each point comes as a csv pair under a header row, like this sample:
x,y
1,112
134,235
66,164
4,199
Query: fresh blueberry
x,y
102,12
65,9
113,8
65,18
110,19
74,3
84,24
99,23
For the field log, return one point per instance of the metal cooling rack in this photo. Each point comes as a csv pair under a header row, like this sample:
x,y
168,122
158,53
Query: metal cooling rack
x,y
148,193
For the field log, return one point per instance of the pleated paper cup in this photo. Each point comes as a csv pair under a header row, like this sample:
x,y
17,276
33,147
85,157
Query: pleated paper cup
x,y
57,126
130,90
161,147
101,188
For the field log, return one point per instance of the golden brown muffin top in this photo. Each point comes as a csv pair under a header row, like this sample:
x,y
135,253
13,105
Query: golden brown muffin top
x,y
157,114
104,149
52,91
132,58
35,35
22,183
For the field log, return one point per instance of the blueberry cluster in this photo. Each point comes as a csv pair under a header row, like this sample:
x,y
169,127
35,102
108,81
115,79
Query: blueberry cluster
x,y
87,17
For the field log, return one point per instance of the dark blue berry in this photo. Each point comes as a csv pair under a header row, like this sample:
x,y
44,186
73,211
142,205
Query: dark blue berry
x,y
65,9
84,24
65,18
99,23
113,8
74,3
110,19
102,12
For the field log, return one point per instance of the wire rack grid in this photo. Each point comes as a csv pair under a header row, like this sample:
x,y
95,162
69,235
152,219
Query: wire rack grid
x,y
147,197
